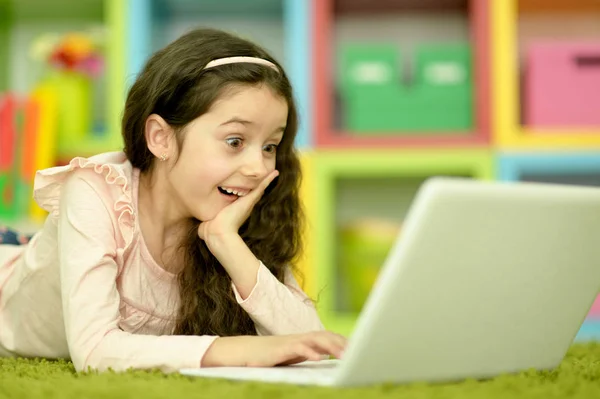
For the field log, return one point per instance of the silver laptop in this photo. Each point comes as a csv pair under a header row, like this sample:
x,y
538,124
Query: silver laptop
x,y
487,278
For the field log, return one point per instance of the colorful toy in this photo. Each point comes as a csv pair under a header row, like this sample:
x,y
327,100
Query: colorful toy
x,y
74,61
364,247
27,137
8,138
44,104
73,52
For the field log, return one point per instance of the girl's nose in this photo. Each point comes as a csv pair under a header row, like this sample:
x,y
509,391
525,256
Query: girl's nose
x,y
255,164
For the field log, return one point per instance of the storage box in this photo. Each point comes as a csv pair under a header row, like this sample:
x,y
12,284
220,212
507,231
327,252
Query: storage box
x,y
365,65
443,66
439,99
397,111
595,310
562,84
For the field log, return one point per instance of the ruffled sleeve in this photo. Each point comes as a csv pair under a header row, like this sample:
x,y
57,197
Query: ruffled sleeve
x,y
116,172
90,200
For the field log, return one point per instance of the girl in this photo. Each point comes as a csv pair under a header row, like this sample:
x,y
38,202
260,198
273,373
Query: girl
x,y
176,252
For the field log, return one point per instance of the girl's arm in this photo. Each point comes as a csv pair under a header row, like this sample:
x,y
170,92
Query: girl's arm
x,y
89,271
90,299
275,308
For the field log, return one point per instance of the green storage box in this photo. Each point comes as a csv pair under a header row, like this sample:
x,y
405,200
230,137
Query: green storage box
x,y
443,66
439,100
368,65
393,110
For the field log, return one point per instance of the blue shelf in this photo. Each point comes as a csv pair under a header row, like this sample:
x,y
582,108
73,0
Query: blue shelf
x,y
512,167
148,30
297,24
138,36
589,331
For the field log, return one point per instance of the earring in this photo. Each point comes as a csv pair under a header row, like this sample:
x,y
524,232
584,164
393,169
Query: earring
x,y
163,157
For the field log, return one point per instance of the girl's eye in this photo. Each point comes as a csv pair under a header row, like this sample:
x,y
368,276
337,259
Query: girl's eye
x,y
234,142
271,148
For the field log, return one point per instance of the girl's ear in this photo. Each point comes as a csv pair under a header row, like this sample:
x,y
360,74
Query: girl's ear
x,y
159,136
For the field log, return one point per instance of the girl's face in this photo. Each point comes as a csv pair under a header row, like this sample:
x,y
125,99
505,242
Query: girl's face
x,y
228,151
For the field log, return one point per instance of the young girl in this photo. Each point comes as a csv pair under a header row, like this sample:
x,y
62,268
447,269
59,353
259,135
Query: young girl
x,y
176,252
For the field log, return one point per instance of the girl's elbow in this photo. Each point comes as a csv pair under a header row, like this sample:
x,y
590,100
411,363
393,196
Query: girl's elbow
x,y
91,360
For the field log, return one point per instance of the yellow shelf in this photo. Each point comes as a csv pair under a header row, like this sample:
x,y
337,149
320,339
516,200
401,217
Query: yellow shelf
x,y
527,138
507,130
306,262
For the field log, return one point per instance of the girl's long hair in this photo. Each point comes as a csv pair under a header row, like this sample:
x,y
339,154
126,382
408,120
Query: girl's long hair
x,y
174,85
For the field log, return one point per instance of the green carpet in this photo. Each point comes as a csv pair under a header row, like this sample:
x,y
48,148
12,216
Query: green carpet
x,y
577,377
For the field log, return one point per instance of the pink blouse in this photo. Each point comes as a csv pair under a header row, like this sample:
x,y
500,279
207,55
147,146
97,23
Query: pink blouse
x,y
87,288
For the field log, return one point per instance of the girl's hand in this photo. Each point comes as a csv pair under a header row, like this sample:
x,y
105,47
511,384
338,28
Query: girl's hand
x,y
274,350
224,242
229,220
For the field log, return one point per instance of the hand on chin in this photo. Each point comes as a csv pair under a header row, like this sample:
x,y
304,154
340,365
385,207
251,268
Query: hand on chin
x,y
227,221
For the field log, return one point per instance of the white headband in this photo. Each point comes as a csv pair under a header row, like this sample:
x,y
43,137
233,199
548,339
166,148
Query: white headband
x,y
233,60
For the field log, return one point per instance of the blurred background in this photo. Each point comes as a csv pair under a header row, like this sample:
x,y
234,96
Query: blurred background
x,y
390,92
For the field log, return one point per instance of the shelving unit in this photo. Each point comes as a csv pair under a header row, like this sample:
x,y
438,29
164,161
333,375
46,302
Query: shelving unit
x,y
23,20
581,168
361,171
305,264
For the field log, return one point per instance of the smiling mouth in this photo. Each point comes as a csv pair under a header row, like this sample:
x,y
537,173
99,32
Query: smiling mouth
x,y
232,192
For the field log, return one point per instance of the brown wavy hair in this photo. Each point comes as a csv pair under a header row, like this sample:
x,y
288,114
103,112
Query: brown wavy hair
x,y
174,85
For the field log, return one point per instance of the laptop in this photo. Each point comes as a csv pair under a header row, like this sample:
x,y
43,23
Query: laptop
x,y
486,278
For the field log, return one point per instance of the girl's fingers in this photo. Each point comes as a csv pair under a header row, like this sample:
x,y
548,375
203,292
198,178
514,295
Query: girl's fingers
x,y
268,179
314,346
327,345
293,360
242,207
307,352
340,340
244,204
257,193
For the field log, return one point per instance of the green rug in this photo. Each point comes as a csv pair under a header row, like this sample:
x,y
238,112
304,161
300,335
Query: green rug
x,y
577,377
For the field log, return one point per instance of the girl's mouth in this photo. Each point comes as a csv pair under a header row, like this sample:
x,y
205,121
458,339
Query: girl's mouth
x,y
231,192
